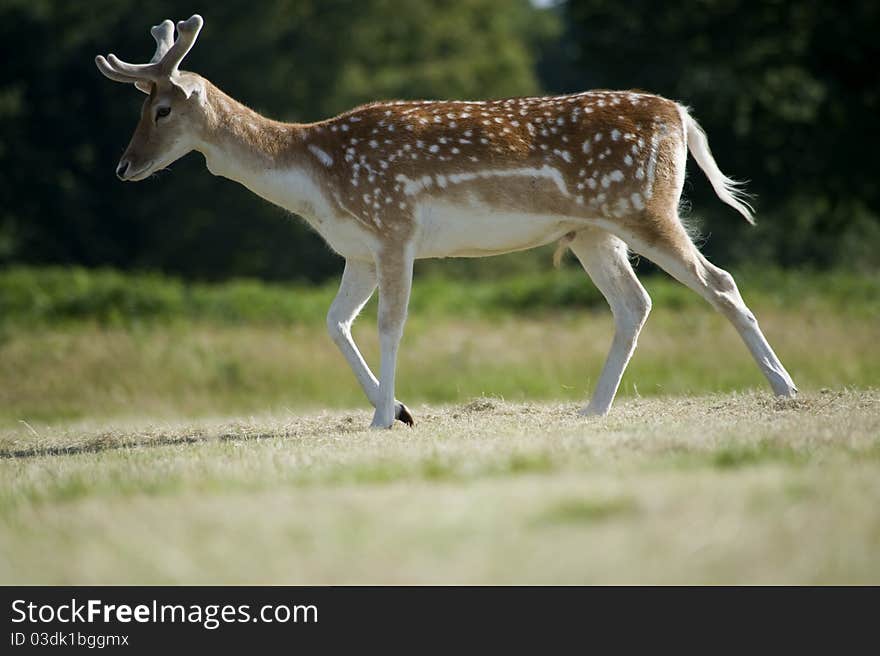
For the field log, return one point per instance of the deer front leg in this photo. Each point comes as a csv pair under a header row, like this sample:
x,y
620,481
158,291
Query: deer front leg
x,y
357,286
395,268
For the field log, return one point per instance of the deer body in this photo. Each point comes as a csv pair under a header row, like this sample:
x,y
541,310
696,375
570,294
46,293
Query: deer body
x,y
388,183
453,178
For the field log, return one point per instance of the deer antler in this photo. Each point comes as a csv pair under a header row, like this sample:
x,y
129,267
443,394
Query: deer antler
x,y
163,33
166,60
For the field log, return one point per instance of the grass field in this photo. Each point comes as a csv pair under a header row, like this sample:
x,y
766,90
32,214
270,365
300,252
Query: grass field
x,y
154,432
192,370
721,488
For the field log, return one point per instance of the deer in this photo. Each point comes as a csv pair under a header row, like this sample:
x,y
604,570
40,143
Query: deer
x,y
600,173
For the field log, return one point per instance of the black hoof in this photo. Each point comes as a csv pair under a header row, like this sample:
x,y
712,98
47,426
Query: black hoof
x,y
404,415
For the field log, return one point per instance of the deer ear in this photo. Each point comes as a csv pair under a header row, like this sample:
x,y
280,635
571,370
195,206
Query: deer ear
x,y
188,84
144,85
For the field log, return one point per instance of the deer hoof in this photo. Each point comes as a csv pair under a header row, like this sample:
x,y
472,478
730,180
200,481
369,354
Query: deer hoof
x,y
402,413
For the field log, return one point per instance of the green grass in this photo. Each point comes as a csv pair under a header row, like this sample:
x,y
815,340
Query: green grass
x,y
77,344
577,510
185,369
723,488
52,297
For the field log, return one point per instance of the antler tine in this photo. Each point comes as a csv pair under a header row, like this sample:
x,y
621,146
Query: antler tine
x,y
136,71
163,33
110,72
169,53
187,33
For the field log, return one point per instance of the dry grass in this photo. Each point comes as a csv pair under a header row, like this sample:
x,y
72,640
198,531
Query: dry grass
x,y
720,488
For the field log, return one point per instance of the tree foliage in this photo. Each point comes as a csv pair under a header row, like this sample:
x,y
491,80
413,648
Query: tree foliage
x,y
788,92
63,126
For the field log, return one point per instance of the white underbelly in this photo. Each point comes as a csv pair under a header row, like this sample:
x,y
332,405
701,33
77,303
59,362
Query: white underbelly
x,y
460,230
346,236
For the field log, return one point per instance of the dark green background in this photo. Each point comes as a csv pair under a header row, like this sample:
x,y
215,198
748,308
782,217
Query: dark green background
x,y
789,93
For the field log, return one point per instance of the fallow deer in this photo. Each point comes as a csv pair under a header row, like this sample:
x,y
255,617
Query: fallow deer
x,y
601,172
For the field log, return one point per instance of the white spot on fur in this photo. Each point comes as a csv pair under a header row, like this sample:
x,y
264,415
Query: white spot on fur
x,y
414,187
652,164
322,156
564,154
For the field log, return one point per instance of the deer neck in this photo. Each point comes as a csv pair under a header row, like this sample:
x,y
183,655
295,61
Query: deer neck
x,y
268,157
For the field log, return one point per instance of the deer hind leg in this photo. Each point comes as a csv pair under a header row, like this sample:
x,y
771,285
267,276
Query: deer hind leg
x,y
395,269
357,286
668,245
605,259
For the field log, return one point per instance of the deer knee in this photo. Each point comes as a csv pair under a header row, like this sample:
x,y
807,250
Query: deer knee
x,y
630,316
392,316
391,323
643,306
337,326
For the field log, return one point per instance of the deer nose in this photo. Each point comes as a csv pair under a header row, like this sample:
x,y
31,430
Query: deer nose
x,y
121,169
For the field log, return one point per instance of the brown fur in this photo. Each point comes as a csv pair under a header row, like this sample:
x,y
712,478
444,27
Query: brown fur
x,y
519,133
595,151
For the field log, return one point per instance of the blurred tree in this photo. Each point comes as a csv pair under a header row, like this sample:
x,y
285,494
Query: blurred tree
x,y
789,92
63,126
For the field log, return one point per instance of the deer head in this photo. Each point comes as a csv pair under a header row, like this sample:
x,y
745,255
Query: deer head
x,y
172,114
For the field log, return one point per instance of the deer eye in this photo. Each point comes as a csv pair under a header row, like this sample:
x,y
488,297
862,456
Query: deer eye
x,y
162,112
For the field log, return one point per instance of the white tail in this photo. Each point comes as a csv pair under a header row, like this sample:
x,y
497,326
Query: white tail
x,y
728,190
